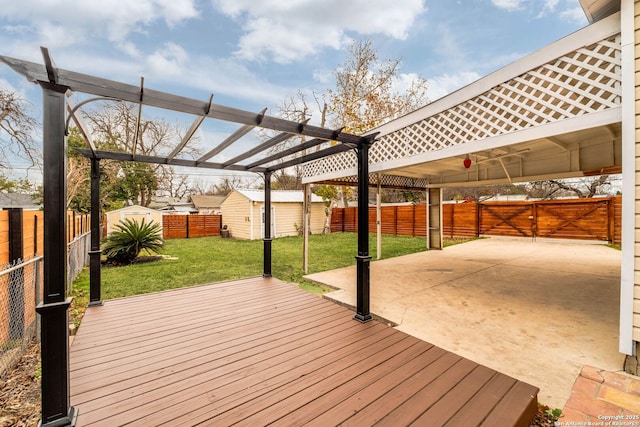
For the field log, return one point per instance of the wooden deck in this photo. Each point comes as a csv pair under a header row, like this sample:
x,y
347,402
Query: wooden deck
x,y
260,351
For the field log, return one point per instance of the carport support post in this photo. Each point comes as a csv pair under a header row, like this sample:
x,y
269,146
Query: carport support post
x,y
95,297
363,260
267,225
54,310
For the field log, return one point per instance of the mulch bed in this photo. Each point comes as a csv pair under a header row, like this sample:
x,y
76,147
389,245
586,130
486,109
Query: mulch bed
x,y
20,391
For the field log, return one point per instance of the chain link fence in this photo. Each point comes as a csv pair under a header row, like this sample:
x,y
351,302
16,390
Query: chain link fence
x,y
20,293
21,290
77,257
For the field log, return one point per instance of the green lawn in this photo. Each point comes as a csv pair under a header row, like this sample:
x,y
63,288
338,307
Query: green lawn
x,y
202,260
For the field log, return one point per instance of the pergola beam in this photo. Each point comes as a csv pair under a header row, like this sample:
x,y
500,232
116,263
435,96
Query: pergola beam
x,y
187,137
296,149
239,133
260,148
128,157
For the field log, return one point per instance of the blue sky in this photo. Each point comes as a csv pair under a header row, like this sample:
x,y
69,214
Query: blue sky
x,y
253,54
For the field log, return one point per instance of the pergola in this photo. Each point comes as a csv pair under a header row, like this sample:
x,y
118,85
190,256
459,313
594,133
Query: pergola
x,y
58,109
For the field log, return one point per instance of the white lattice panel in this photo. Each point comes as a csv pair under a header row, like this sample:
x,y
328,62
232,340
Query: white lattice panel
x,y
584,81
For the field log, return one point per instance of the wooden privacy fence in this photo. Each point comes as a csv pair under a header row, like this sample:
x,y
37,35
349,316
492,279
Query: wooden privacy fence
x,y
33,231
586,219
406,220
185,226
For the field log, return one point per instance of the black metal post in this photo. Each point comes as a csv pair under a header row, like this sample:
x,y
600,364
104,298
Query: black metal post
x,y
54,310
267,225
363,260
95,284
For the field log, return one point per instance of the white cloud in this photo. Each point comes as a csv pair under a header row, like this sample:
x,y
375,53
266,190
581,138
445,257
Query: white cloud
x,y
169,61
288,31
574,15
6,86
548,7
508,4
68,21
444,84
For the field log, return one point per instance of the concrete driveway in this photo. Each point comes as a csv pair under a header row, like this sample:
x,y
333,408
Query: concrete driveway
x,y
537,311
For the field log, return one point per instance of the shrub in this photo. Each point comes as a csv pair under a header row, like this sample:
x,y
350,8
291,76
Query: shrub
x,y
130,238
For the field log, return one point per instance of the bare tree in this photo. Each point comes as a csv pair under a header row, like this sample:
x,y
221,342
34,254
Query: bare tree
x,y
482,192
17,129
117,126
578,187
173,184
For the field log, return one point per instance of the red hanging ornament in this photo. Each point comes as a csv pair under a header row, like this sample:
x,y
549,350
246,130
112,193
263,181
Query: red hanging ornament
x,y
466,162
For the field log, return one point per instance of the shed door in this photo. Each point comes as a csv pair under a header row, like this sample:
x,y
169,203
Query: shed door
x,y
273,222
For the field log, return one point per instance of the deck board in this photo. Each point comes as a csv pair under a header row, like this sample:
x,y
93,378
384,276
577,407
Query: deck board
x,y
259,351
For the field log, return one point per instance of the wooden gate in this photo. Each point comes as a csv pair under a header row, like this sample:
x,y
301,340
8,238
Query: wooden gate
x,y
587,219
575,219
506,219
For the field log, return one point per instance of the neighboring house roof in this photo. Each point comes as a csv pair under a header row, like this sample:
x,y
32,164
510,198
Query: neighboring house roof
x,y
18,200
184,209
207,202
279,196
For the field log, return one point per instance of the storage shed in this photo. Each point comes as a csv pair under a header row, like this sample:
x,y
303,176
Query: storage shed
x,y
243,213
135,212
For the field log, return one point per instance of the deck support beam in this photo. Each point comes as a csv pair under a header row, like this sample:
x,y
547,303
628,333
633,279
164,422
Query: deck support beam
x,y
95,285
363,260
54,310
267,226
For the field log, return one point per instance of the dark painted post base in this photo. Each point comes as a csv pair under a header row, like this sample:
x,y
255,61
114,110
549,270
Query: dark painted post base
x,y
267,258
363,263
55,368
95,298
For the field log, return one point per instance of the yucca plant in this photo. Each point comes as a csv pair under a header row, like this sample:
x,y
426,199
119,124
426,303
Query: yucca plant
x,y
130,238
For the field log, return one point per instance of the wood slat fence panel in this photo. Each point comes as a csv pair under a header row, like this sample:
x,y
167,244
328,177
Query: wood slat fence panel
x,y
588,219
460,219
185,226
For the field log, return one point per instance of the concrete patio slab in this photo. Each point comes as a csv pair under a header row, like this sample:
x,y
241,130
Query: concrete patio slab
x,y
535,310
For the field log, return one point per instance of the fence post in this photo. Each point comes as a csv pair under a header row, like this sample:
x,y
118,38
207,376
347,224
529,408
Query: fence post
x,y
16,277
611,214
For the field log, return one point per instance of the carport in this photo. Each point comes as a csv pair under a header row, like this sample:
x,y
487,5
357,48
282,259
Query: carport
x,y
565,111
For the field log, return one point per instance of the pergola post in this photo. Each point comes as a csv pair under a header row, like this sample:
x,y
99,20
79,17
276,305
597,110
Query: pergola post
x,y
363,260
95,294
267,225
56,409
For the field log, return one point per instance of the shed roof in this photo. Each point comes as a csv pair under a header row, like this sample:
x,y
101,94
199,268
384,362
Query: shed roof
x,y
279,196
18,200
134,208
203,202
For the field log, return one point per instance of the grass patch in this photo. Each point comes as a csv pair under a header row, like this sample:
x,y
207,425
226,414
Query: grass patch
x,y
189,262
